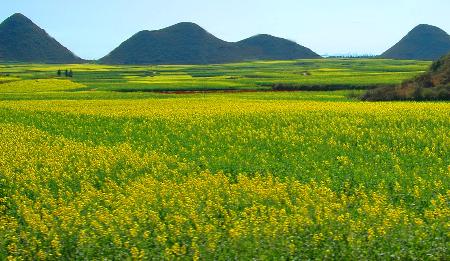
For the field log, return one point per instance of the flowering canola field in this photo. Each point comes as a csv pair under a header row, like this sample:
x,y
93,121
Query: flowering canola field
x,y
224,176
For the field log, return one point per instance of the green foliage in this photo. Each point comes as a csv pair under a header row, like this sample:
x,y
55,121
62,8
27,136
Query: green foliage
x,y
432,85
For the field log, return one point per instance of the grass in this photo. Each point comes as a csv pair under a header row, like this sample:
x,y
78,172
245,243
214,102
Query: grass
x,y
309,175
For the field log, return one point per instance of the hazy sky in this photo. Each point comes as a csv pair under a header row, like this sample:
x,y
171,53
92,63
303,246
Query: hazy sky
x,y
92,28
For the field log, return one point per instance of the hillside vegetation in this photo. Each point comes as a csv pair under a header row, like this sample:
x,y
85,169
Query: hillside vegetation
x,y
432,85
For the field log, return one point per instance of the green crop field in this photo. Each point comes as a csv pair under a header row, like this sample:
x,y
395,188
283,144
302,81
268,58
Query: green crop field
x,y
326,74
105,165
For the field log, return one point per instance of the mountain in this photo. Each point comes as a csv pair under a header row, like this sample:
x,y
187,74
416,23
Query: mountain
x,y
188,43
432,85
23,41
183,43
268,47
424,42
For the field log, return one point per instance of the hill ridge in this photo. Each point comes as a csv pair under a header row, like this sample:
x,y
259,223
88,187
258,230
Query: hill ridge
x,y
189,43
21,40
423,42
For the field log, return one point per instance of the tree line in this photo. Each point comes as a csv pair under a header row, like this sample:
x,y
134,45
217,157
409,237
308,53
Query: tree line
x,y
67,73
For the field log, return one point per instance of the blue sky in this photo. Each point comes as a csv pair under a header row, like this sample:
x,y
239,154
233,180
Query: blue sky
x,y
92,28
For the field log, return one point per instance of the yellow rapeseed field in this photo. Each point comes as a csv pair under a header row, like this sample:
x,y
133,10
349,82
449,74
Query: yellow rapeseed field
x,y
39,85
224,176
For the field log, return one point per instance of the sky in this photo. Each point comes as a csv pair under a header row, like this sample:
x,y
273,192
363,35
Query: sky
x,y
93,28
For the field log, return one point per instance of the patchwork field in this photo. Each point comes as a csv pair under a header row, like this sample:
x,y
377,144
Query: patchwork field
x,y
92,172
326,74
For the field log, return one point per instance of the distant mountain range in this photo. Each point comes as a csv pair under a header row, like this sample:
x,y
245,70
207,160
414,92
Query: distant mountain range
x,y
424,42
23,41
187,43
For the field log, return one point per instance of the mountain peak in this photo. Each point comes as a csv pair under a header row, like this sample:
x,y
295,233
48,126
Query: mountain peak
x,y
266,38
187,24
269,47
22,40
18,16
263,37
426,27
423,42
18,19
184,27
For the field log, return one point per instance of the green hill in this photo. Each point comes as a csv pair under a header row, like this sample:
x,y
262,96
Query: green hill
x,y
188,43
23,41
432,85
183,43
268,47
424,42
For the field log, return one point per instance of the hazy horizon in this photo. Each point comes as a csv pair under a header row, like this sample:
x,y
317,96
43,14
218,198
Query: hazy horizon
x,y
326,27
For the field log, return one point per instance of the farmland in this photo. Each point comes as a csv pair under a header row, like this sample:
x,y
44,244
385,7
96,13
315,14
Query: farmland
x,y
115,163
299,74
